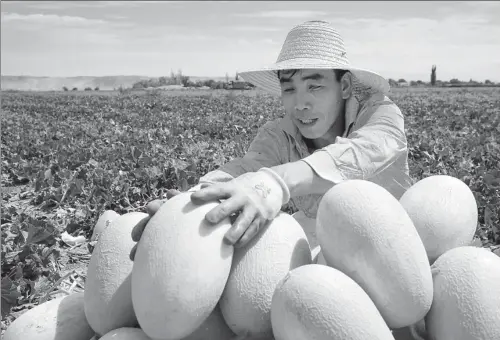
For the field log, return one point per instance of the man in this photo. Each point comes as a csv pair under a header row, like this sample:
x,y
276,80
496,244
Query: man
x,y
339,125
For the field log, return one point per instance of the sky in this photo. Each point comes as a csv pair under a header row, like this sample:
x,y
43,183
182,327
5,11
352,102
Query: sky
x,y
211,39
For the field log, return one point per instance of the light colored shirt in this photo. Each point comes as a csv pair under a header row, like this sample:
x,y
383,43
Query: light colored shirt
x,y
373,147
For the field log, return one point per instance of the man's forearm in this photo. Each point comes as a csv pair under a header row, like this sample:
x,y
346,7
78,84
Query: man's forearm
x,y
301,179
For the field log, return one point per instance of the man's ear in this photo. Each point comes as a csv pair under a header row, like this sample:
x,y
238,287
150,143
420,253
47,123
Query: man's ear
x,y
346,85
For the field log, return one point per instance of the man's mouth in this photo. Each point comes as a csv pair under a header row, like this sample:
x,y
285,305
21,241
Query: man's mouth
x,y
308,121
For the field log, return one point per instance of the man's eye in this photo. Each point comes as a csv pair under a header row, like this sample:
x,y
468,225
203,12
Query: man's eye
x,y
315,87
288,90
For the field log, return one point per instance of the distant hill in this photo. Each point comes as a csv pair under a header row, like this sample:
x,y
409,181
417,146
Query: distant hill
x,y
30,83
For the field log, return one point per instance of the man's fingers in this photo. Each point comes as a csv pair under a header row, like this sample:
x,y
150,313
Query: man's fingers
x,y
225,209
153,206
132,252
241,225
172,192
210,193
139,229
249,233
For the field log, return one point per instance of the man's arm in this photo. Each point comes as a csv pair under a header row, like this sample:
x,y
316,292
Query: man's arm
x,y
267,149
301,179
368,151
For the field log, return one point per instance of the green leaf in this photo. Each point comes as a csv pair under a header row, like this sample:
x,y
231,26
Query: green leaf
x,y
10,295
40,232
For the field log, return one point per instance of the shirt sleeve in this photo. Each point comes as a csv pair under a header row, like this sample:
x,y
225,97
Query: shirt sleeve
x,y
266,150
367,151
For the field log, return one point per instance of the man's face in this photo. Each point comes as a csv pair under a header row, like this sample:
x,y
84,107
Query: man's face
x,y
313,99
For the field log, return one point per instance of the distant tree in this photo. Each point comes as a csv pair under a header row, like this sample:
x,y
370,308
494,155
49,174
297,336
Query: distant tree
x,y
184,80
65,88
488,82
96,88
454,81
88,89
138,85
237,77
75,89
393,83
209,82
433,75
401,80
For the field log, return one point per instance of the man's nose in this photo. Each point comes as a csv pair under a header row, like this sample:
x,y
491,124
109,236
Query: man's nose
x,y
301,103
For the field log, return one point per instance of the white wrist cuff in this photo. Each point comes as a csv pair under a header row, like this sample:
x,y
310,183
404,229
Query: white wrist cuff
x,y
280,181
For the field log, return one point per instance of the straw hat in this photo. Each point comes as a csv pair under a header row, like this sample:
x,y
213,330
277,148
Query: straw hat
x,y
312,45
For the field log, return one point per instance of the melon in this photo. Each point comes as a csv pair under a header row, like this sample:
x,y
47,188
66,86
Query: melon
x,y
213,328
444,212
317,256
280,246
309,226
365,232
322,303
180,268
413,332
104,220
108,290
126,333
56,319
466,302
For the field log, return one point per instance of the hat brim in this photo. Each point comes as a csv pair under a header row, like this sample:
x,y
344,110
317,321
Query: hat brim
x,y
267,79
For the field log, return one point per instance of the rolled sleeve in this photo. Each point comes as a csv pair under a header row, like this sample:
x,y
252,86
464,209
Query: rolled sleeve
x,y
369,150
265,150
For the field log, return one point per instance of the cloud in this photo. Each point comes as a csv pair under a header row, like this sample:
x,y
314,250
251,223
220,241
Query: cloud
x,y
256,29
453,42
292,14
49,19
59,32
115,16
248,42
483,4
64,5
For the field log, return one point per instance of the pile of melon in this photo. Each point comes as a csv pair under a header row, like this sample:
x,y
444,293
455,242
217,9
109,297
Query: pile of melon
x,y
384,269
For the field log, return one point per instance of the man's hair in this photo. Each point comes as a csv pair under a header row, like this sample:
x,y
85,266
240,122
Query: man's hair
x,y
339,73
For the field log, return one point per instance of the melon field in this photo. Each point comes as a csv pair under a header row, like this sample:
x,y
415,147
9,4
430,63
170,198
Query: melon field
x,y
68,157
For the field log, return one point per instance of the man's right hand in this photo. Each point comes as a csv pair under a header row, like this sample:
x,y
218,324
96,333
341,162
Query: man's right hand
x,y
151,209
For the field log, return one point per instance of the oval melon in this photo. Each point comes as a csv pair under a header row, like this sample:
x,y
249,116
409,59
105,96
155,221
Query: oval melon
x,y
180,269
317,256
213,328
413,332
365,233
104,220
126,333
108,292
58,319
322,303
444,212
309,226
281,245
466,302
